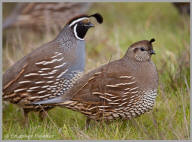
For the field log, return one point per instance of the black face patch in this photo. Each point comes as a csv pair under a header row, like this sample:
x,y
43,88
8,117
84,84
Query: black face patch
x,y
81,30
81,24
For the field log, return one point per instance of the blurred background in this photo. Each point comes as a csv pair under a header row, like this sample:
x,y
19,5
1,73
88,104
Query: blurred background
x,y
27,26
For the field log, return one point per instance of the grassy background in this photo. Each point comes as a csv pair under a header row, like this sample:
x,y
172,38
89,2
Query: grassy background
x,y
124,23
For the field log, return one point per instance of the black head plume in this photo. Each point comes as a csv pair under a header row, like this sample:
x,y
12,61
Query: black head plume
x,y
98,17
152,40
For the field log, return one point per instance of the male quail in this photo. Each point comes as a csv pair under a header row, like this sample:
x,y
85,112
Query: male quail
x,y
124,88
49,70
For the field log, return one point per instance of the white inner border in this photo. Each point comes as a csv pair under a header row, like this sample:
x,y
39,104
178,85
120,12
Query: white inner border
x,y
80,19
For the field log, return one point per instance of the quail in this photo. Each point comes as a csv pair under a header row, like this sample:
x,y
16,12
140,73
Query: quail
x,y
43,15
123,88
49,70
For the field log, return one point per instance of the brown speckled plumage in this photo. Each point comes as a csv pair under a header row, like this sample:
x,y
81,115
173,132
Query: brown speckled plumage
x,y
124,88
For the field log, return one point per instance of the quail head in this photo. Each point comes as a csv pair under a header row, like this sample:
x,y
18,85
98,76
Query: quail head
x,y
51,69
124,88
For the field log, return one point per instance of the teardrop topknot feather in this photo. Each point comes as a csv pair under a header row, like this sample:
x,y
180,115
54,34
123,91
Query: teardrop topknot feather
x,y
98,17
152,40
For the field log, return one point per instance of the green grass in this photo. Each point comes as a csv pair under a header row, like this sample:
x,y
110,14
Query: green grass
x,y
124,23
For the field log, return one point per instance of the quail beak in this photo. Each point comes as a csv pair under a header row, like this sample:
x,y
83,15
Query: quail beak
x,y
89,25
152,52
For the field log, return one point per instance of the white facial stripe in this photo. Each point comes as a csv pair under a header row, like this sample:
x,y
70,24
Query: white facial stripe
x,y
75,32
77,21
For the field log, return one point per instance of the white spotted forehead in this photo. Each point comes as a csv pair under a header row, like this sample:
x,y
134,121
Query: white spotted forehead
x,y
78,20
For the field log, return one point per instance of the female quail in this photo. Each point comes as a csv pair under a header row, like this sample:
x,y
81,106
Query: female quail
x,y
49,70
124,88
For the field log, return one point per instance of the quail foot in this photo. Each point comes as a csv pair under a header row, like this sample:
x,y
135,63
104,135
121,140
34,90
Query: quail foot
x,y
123,88
49,70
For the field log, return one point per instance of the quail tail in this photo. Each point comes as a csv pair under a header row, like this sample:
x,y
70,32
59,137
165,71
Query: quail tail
x,y
49,101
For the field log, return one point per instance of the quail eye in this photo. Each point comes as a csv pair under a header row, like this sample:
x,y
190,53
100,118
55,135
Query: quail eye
x,y
142,49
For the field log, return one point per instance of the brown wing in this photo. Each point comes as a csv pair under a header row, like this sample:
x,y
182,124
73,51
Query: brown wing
x,y
36,76
107,85
103,91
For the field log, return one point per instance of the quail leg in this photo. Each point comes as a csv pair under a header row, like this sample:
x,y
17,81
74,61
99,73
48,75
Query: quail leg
x,y
87,123
42,115
26,118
